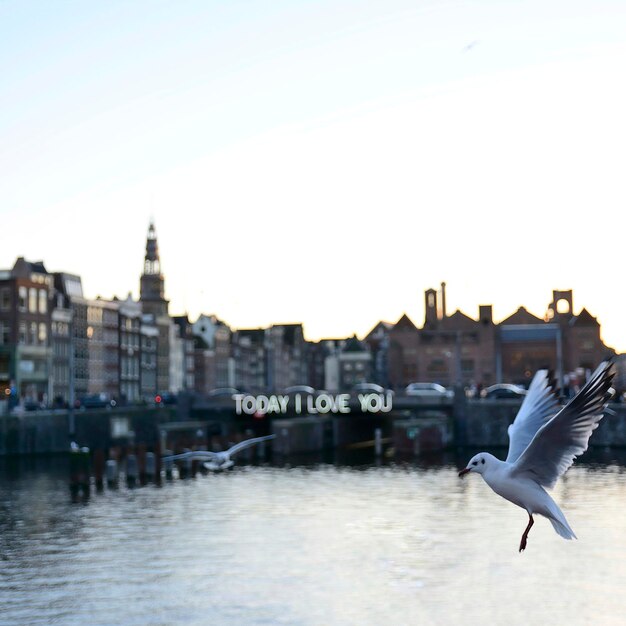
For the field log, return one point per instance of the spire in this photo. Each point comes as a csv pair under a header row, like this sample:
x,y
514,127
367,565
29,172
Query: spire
x,y
152,264
152,283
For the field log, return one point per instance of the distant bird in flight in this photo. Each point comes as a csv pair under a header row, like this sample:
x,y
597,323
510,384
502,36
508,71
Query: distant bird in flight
x,y
218,460
470,45
543,443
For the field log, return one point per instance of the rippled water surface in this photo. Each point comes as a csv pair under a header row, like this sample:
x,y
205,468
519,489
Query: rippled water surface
x,y
309,545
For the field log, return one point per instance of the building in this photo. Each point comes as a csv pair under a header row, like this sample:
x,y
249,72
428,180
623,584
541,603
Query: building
x,y
317,351
176,360
153,302
186,345
149,354
25,324
250,357
62,348
224,362
377,341
355,363
130,321
286,356
346,363
103,347
214,366
404,348
459,350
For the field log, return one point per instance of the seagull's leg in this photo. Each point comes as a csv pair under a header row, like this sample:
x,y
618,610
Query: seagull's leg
x,y
531,521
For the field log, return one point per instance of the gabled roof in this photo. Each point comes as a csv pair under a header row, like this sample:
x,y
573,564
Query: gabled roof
x,y
457,321
584,318
404,323
24,268
382,327
522,316
354,345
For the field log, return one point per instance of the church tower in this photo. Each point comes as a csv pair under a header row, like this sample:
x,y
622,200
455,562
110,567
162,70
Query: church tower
x,y
152,283
153,302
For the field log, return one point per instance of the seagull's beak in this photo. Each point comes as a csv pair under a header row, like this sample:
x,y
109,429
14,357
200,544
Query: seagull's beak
x,y
464,471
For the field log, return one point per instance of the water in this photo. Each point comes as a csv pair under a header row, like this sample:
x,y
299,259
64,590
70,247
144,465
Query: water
x,y
309,545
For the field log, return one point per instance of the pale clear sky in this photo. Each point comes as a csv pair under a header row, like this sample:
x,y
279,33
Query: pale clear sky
x,y
320,162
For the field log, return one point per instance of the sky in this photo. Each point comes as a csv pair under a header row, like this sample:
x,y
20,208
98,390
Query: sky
x,y
320,162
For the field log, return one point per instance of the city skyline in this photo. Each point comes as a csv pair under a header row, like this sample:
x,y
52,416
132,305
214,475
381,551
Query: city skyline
x,y
320,164
441,306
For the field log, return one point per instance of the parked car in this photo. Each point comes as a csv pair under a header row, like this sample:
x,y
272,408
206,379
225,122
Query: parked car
x,y
428,390
165,398
223,392
299,389
97,401
33,405
368,388
503,390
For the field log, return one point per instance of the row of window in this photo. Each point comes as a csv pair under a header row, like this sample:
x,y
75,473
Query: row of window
x,y
32,334
129,367
31,300
129,341
60,329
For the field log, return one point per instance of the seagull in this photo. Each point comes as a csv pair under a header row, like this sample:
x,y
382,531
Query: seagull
x,y
543,443
218,460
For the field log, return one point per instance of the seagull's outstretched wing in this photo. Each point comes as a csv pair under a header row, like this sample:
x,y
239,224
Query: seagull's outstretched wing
x,y
204,455
559,441
539,405
242,445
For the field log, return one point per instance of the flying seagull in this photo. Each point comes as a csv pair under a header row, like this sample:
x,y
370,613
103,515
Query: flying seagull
x,y
218,460
543,443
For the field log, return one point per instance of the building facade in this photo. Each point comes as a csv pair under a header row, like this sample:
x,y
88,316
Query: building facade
x,y
459,350
153,302
25,325
286,356
250,357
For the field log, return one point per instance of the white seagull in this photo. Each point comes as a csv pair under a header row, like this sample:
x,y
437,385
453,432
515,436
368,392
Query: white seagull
x,y
543,443
218,460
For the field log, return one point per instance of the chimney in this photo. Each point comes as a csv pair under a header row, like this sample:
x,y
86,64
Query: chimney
x,y
485,314
443,301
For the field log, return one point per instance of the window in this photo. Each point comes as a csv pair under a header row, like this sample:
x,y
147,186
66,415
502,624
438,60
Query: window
x,y
4,334
33,333
5,299
467,368
23,296
22,333
32,300
43,334
43,301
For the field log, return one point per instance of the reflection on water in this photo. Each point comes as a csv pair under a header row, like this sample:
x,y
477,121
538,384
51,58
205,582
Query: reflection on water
x,y
309,542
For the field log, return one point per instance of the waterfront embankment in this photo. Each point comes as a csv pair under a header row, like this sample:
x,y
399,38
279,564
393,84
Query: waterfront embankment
x,y
471,423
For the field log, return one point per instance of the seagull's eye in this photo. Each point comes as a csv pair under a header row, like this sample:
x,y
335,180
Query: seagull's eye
x,y
475,463
482,461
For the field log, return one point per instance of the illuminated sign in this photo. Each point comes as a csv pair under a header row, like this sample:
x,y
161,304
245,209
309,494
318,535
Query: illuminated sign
x,y
322,404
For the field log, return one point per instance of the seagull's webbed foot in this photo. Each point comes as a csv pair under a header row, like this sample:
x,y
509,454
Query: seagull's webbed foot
x,y
522,545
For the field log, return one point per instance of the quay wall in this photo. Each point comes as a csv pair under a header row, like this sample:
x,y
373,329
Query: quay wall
x,y
52,432
475,423
485,424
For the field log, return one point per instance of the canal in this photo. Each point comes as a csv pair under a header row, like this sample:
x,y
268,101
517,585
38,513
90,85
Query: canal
x,y
309,542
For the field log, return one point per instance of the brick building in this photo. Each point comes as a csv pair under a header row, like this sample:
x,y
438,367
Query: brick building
x,y
25,350
457,349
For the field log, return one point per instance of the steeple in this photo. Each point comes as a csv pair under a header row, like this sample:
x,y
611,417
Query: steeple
x,y
152,282
152,264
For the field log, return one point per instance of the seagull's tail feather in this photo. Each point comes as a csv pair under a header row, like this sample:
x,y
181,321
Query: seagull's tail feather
x,y
562,527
